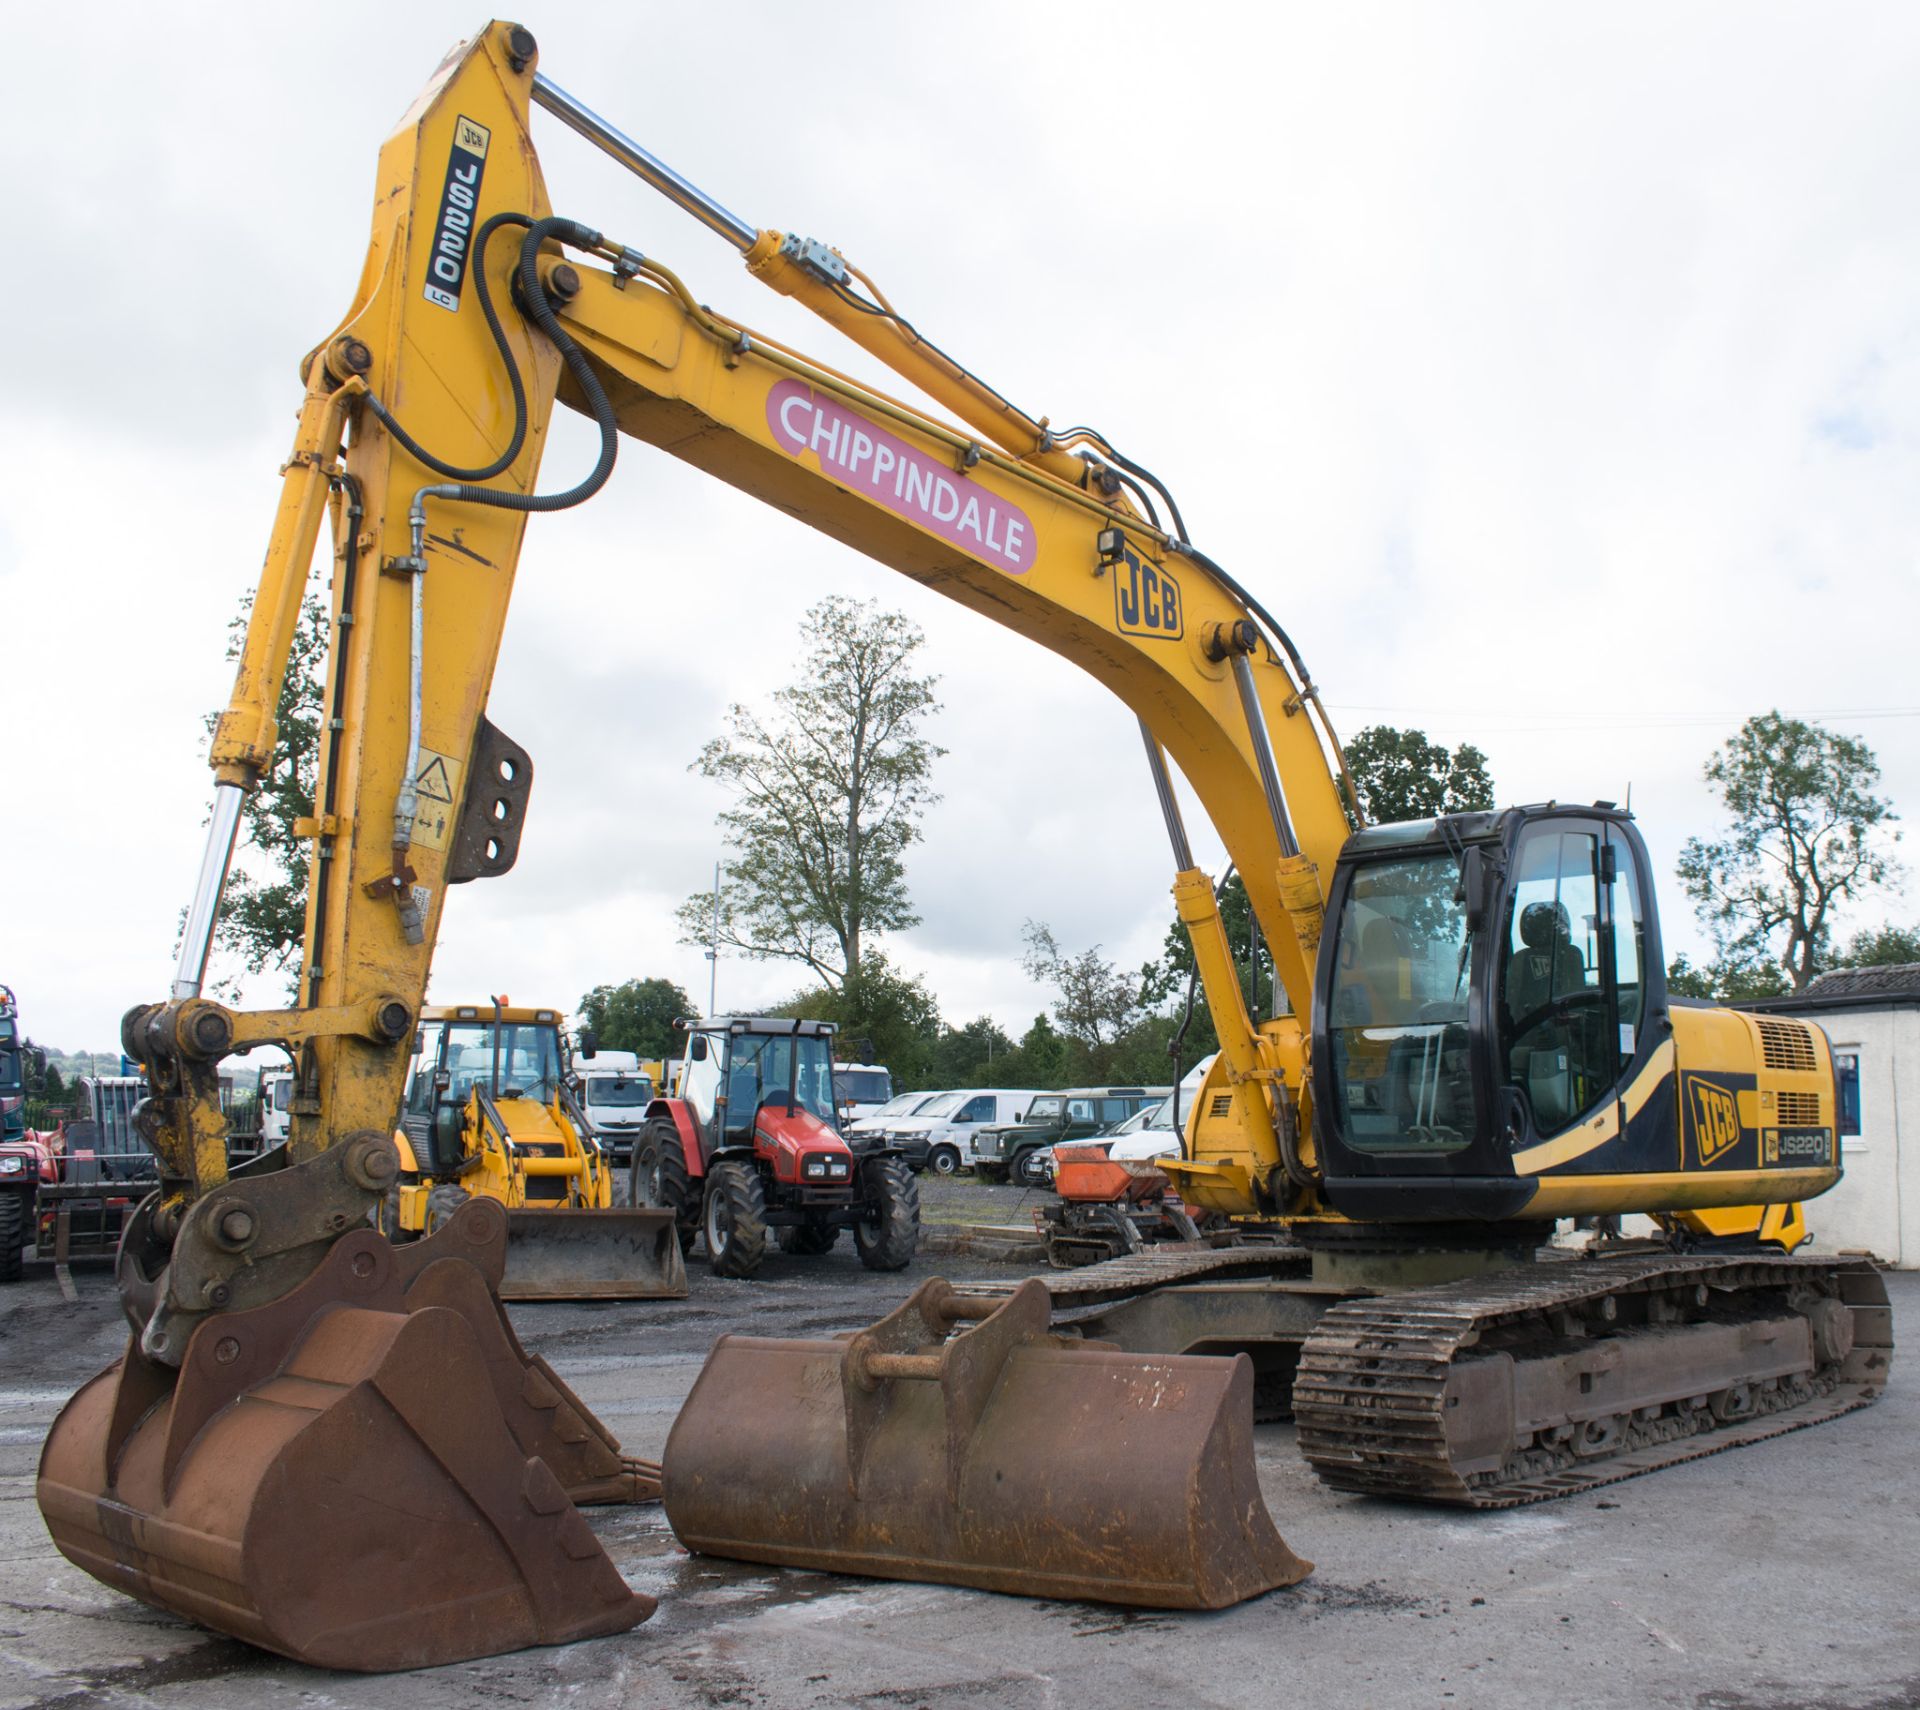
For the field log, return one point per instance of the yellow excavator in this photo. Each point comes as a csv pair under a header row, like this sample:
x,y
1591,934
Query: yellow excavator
x,y
333,1446
487,1112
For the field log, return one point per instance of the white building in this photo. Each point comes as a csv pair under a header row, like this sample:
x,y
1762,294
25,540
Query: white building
x,y
1872,1015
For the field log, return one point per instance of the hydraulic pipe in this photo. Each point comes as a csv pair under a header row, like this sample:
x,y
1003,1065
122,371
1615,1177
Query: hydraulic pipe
x,y
204,910
577,116
1263,756
1169,805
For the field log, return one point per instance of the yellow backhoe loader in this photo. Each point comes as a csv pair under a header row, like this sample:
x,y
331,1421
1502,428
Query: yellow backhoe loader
x,y
487,1113
333,1446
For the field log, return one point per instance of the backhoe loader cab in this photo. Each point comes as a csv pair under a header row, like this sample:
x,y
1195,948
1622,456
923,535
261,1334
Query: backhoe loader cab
x,y
751,1142
487,1113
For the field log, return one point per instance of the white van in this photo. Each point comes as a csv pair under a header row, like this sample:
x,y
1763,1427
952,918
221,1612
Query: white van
x,y
939,1136
861,1089
904,1104
613,1093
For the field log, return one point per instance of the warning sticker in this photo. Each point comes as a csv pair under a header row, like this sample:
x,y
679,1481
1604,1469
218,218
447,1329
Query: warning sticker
x,y
438,784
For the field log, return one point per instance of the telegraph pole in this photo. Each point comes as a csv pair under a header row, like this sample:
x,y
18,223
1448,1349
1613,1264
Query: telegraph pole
x,y
713,948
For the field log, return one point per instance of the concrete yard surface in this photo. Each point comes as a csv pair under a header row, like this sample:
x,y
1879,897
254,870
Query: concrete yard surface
x,y
1785,1574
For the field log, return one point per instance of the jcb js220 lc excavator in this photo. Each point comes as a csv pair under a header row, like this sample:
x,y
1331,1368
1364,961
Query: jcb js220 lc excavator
x,y
291,1372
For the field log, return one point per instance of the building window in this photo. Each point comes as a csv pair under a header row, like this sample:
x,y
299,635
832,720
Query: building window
x,y
1846,1069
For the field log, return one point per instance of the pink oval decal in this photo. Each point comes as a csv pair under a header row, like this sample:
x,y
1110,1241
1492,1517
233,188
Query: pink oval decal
x,y
878,465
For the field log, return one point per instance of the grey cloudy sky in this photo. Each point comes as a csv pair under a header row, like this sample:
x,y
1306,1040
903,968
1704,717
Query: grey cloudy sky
x,y
1552,372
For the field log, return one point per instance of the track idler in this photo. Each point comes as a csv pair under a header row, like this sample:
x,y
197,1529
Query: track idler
x,y
1000,1457
368,1473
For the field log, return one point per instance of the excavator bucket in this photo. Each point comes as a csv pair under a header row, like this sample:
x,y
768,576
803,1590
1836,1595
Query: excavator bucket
x,y
998,1456
632,1253
368,1473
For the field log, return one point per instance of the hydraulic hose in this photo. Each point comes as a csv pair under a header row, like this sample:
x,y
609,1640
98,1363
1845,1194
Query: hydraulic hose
x,y
504,461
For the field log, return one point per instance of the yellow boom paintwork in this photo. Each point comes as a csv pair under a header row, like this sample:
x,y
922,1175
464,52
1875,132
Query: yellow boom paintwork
x,y
992,513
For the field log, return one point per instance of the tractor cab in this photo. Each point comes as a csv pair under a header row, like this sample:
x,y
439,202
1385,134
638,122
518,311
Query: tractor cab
x,y
735,1066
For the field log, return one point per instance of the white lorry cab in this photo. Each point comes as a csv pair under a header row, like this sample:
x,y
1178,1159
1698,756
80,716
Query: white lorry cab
x,y
613,1093
939,1136
276,1106
860,1089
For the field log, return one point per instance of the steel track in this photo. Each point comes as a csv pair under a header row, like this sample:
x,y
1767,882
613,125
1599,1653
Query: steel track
x,y
1370,1396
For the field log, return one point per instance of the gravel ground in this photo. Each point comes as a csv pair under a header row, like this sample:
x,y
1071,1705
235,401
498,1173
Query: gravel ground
x,y
1780,1575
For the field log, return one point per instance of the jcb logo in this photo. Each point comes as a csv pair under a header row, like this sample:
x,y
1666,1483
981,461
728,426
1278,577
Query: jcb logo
x,y
1146,598
1716,1120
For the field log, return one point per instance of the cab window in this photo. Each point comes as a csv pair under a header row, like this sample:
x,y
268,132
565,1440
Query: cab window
x,y
977,1110
1560,1040
420,1078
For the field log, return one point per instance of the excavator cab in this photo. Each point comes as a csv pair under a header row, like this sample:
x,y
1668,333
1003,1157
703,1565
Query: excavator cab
x,y
1499,1046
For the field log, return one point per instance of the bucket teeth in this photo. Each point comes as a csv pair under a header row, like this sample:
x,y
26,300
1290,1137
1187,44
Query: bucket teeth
x,y
369,1473
910,1452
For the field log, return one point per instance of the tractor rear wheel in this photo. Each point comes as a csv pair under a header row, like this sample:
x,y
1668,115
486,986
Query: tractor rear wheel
x,y
889,1228
736,1220
658,1177
807,1240
13,1233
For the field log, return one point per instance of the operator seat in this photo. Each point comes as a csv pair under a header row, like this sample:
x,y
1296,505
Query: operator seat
x,y
1545,967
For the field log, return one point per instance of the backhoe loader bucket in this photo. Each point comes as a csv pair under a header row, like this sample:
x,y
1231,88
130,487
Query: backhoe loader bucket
x,y
628,1254
1000,1457
368,1473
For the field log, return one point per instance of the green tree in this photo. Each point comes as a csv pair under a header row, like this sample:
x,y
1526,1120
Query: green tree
x,y
890,1011
1883,947
1098,1006
977,1054
1400,774
1731,978
828,790
263,914
1808,833
1039,1060
637,1016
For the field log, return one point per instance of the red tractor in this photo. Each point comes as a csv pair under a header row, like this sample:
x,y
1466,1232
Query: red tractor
x,y
751,1143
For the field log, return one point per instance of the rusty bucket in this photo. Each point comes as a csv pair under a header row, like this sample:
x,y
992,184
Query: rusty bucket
x,y
1000,1457
632,1253
368,1473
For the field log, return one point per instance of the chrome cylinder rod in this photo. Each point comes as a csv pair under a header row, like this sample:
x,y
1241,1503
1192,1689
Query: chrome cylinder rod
x,y
579,117
204,910
1263,755
1169,805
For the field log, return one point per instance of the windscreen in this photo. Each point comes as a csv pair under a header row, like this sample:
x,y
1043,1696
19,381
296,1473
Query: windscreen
x,y
945,1105
766,1064
529,1060
1044,1110
619,1092
863,1086
1397,1017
